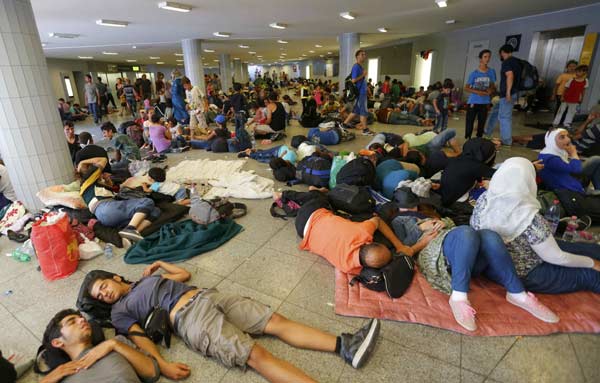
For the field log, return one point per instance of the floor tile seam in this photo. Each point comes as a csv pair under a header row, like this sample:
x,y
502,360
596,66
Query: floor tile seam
x,y
585,379
245,259
489,375
299,280
15,276
13,315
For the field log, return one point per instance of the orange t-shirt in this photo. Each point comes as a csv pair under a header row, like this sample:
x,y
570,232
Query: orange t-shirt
x,y
337,239
562,80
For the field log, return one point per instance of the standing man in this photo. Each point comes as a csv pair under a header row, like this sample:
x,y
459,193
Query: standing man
x,y
481,85
92,98
146,88
103,93
559,87
510,77
358,75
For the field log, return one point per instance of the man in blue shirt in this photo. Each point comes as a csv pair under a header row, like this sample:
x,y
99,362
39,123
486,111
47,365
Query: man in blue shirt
x,y
481,84
358,75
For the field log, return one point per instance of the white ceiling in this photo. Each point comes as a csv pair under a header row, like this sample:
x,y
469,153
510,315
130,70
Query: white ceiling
x,y
157,32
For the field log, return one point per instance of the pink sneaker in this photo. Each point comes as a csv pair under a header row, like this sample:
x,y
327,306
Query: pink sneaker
x,y
535,308
464,314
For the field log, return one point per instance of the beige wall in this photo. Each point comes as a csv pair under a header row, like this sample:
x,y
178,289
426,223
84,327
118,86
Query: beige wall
x,y
57,67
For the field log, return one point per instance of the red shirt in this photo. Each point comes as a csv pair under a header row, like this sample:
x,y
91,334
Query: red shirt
x,y
573,90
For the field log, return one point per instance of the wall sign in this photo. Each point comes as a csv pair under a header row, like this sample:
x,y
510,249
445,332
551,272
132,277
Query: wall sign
x,y
514,41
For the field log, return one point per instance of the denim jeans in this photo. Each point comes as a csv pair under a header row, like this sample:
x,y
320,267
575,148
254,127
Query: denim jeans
x,y
201,144
438,142
397,118
492,119
505,112
379,138
472,252
93,110
591,169
547,278
118,213
329,137
266,154
441,121
133,106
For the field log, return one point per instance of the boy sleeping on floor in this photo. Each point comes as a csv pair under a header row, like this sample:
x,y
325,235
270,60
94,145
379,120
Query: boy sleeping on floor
x,y
159,184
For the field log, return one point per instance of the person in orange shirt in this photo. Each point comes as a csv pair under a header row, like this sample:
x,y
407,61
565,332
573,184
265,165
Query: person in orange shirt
x,y
559,86
345,244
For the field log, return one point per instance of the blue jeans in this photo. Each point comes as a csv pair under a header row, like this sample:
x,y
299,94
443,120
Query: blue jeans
x,y
329,137
201,144
438,142
547,278
360,106
472,252
266,154
132,105
591,169
505,112
441,121
379,138
118,213
492,119
93,110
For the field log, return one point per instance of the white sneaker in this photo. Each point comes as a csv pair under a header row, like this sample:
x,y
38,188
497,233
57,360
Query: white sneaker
x,y
464,314
534,307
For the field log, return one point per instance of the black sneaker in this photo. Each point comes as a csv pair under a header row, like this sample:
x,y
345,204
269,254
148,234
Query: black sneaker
x,y
131,234
356,348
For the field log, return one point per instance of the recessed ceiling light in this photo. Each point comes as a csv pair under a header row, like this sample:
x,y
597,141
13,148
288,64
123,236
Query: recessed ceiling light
x,y
284,54
311,51
348,15
63,35
112,23
221,34
44,44
382,30
209,50
278,26
131,61
179,61
154,57
236,58
329,53
172,6
178,54
318,46
245,62
321,55
441,3
252,52
109,53
133,47
259,56
179,64
450,21
216,61
160,62
85,57
303,55
282,41
243,46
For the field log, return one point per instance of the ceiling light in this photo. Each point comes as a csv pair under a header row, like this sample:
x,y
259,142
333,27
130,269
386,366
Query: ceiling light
x,y
63,35
85,57
348,15
243,46
216,61
44,44
179,64
318,46
252,52
278,26
209,50
441,3
178,54
112,23
236,58
303,55
154,57
329,53
284,54
160,62
109,53
282,41
172,6
131,61
321,55
259,56
450,21
382,30
311,51
134,47
245,62
179,61
221,34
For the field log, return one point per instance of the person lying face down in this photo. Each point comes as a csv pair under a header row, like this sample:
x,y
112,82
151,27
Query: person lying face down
x,y
113,360
216,324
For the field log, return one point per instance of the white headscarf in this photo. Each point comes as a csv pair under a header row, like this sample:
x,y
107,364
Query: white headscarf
x,y
511,199
552,148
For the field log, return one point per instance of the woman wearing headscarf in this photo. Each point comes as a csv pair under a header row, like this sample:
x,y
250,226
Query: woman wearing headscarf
x,y
474,164
510,208
178,98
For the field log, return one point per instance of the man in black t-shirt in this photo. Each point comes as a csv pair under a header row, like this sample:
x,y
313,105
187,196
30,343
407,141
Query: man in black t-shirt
x,y
89,150
145,88
510,77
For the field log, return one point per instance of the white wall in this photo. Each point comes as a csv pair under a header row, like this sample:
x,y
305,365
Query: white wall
x,y
66,67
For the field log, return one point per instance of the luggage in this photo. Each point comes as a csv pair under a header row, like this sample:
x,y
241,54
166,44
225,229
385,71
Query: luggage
x,y
314,171
360,172
351,199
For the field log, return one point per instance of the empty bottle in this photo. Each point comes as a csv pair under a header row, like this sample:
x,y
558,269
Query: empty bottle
x,y
108,251
253,141
553,216
571,231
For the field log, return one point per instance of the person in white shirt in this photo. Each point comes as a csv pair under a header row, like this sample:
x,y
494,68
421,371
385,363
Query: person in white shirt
x,y
197,105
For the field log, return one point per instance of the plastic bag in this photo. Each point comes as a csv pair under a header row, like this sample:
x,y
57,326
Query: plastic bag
x,y
56,246
337,164
89,249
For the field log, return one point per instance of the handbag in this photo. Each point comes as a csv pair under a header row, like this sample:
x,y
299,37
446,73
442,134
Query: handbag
x,y
156,325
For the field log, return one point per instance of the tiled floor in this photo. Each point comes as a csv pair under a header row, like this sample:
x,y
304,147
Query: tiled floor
x,y
263,262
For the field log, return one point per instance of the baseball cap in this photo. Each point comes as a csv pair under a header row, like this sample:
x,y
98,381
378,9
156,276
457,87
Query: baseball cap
x,y
220,119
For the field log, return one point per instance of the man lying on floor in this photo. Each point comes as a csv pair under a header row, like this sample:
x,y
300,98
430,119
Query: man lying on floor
x,y
114,360
217,324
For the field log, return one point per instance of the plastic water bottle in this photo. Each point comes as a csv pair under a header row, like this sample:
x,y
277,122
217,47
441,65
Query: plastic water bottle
x,y
253,141
571,230
553,216
316,139
108,251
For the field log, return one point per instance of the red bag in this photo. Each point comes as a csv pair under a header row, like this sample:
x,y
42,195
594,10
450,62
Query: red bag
x,y
55,245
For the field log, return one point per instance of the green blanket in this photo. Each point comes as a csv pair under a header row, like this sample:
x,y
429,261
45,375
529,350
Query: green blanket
x,y
176,242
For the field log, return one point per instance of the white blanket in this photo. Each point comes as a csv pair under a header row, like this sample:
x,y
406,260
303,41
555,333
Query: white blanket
x,y
189,171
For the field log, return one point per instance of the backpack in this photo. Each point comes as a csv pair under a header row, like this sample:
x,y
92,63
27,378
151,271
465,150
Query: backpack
x,y
297,140
360,171
123,127
204,212
314,171
529,76
290,209
351,199
393,278
350,89
136,133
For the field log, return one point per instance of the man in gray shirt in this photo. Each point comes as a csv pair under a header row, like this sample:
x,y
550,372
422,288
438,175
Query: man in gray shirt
x,y
114,360
92,98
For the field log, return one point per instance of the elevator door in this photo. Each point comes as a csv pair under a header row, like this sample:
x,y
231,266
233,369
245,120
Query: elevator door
x,y
558,52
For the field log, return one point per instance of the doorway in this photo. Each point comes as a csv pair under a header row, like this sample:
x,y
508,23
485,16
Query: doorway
x,y
423,70
373,70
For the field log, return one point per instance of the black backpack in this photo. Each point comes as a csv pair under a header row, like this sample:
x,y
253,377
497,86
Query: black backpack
x,y
350,89
297,140
360,171
529,78
394,278
314,171
351,199
123,127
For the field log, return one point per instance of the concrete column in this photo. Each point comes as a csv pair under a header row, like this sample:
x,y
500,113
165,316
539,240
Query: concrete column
x,y
192,61
225,71
349,44
237,71
32,143
245,73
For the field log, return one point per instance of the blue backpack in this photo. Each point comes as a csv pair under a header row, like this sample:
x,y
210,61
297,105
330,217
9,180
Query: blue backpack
x,y
314,171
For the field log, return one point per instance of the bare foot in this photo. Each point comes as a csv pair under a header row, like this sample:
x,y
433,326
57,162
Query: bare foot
x,y
322,189
277,195
266,142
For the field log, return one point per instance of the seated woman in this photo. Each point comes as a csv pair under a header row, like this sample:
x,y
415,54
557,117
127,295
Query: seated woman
x,y
161,137
72,139
280,151
133,214
561,162
214,138
452,255
510,208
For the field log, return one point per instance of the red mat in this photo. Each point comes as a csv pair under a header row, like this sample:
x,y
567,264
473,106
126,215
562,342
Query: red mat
x,y
578,312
